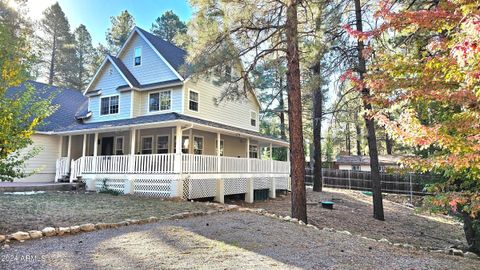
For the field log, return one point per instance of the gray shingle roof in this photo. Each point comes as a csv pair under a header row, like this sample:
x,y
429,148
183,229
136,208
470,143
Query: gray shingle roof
x,y
70,103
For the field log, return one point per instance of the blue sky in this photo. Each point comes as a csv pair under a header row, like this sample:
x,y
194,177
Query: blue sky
x,y
95,14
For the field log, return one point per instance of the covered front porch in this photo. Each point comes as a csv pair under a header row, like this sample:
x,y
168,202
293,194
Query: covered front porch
x,y
177,159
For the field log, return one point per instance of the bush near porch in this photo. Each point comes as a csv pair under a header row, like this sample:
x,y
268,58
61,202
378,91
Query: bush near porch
x,y
61,209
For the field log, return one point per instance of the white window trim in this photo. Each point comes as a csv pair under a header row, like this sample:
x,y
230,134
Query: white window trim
x,y
159,105
256,118
123,145
100,105
221,141
203,144
168,142
198,101
141,143
141,56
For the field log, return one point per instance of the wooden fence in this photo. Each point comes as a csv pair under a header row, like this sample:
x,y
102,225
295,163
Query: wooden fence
x,y
360,180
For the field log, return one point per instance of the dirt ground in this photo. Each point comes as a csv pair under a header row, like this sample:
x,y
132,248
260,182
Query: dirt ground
x,y
353,212
229,240
55,209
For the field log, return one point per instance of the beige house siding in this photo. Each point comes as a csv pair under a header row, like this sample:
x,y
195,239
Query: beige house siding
x,y
44,161
233,113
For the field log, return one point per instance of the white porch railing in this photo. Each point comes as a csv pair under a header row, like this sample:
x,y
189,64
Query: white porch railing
x,y
62,168
165,163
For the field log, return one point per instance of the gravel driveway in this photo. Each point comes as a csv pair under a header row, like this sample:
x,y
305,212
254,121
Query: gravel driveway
x,y
230,240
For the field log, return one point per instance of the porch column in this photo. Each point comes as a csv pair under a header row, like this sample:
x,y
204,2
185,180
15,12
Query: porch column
x,y
95,150
84,153
272,193
69,148
178,150
219,160
249,197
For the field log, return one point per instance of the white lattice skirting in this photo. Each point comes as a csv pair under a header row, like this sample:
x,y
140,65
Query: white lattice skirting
x,y
116,184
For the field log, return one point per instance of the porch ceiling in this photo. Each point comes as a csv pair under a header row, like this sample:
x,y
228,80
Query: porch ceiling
x,y
166,120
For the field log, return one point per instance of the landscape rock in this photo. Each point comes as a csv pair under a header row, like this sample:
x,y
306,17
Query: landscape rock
x,y
328,229
287,218
294,220
74,229
20,236
63,230
345,232
383,240
101,226
471,255
88,227
455,252
35,234
408,246
2,238
302,223
49,231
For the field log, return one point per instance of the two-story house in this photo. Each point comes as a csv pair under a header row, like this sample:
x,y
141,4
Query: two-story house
x,y
144,126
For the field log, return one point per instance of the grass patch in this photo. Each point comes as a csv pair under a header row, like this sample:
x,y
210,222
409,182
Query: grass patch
x,y
30,212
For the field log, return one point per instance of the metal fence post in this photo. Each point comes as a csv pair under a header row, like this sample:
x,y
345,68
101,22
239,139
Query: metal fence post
x,y
349,180
411,189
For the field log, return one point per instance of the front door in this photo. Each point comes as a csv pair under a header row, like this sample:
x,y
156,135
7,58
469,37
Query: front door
x,y
107,146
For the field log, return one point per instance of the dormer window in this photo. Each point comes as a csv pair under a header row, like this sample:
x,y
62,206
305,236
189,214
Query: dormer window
x,y
138,56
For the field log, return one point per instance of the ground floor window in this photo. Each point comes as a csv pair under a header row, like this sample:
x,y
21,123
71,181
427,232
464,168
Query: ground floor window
x,y
355,167
119,146
222,147
185,144
198,145
162,144
253,151
147,145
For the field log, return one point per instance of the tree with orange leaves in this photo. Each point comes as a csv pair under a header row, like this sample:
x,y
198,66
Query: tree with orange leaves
x,y
428,72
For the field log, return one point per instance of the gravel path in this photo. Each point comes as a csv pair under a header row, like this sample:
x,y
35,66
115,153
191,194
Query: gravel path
x,y
230,240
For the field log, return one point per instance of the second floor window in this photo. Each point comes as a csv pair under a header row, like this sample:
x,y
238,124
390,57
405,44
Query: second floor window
x,y
193,101
109,105
159,101
137,61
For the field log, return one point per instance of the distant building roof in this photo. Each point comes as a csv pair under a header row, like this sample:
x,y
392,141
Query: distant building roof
x,y
365,160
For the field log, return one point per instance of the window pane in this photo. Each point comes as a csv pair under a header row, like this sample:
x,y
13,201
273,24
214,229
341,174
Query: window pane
x,y
113,104
193,101
138,56
154,102
197,145
253,119
193,96
162,145
119,146
253,151
104,106
147,144
165,100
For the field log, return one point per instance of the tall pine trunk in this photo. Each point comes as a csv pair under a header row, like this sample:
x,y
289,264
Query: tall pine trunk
x,y
358,133
372,140
317,133
51,71
297,156
281,104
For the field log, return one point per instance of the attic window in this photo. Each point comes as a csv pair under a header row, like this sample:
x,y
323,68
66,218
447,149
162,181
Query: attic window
x,y
138,56
253,118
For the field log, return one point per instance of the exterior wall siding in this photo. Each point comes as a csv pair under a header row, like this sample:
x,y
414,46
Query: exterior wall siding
x,y
234,113
45,161
152,68
108,82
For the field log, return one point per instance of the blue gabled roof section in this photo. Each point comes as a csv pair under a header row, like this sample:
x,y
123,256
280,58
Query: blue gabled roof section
x,y
70,103
174,55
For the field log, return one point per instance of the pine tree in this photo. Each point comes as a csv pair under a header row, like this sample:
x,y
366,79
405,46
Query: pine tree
x,y
168,26
56,42
83,58
118,33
